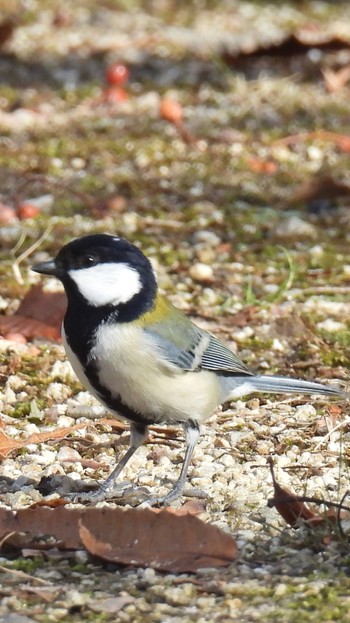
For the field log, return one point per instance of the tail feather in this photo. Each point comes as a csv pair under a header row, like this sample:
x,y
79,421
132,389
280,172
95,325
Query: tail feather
x,y
280,384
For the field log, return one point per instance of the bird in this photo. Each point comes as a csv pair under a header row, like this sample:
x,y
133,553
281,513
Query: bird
x,y
143,358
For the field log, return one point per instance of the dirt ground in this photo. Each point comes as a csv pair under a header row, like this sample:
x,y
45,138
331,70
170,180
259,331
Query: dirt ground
x,y
226,157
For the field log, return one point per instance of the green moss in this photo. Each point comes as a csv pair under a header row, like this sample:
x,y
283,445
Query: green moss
x,y
27,565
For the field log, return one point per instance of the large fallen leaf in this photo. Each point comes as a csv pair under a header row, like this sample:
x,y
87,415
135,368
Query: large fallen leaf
x,y
8,444
7,28
293,44
322,186
341,140
163,539
39,315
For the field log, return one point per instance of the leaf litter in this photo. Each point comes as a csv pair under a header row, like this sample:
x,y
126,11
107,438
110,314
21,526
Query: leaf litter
x,y
249,173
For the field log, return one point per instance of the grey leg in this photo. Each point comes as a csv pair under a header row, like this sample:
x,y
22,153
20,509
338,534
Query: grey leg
x,y
138,435
191,430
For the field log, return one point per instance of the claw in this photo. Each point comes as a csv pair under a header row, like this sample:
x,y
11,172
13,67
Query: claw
x,y
124,493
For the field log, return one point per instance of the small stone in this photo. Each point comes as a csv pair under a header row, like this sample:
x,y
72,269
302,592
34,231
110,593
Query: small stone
x,y
295,228
207,237
58,392
253,403
67,454
63,370
305,411
201,272
332,326
243,334
281,590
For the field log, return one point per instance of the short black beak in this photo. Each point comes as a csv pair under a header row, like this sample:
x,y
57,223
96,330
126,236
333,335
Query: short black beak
x,y
47,268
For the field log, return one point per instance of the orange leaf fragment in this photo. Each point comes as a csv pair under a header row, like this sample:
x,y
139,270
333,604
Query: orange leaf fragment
x,y
27,210
336,80
258,165
170,110
8,444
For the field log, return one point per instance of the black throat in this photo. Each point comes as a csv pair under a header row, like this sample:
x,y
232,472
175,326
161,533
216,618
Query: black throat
x,y
81,323
82,320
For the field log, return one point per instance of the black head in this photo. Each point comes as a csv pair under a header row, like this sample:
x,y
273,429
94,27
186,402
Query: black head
x,y
104,271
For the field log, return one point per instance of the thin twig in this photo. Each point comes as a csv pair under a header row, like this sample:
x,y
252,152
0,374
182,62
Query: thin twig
x,y
25,576
27,253
328,435
322,290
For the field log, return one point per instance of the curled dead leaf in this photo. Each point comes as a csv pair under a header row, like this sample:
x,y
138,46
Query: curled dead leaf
x,y
163,539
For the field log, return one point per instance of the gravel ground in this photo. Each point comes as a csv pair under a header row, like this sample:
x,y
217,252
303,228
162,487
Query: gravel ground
x,y
210,218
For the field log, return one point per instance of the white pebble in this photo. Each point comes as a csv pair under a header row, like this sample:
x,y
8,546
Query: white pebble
x,y
58,392
63,421
243,334
15,382
209,237
201,272
278,346
45,457
67,454
63,370
305,411
295,228
227,460
331,325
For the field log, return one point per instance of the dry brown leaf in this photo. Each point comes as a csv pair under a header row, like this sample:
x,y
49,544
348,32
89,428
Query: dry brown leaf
x,y
244,317
292,44
163,539
289,506
8,444
293,508
39,315
322,186
336,80
7,28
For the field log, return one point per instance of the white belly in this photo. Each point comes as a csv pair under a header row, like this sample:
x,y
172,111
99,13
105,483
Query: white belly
x,y
153,387
77,367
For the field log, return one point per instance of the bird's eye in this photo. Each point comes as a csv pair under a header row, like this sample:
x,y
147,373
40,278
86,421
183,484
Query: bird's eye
x,y
87,261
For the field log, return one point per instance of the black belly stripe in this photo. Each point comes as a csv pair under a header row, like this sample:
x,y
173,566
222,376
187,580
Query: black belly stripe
x,y
80,328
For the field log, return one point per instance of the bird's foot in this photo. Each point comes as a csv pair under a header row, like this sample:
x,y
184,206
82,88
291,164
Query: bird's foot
x,y
123,493
172,496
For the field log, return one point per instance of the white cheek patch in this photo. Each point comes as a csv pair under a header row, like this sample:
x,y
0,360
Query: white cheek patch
x,y
107,284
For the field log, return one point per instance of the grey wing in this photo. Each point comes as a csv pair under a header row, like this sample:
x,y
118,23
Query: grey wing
x,y
197,350
218,357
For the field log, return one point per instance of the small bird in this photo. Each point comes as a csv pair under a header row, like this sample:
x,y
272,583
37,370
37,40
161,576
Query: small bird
x,y
142,357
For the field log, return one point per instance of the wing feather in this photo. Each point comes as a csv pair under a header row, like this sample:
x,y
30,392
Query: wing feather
x,y
192,349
